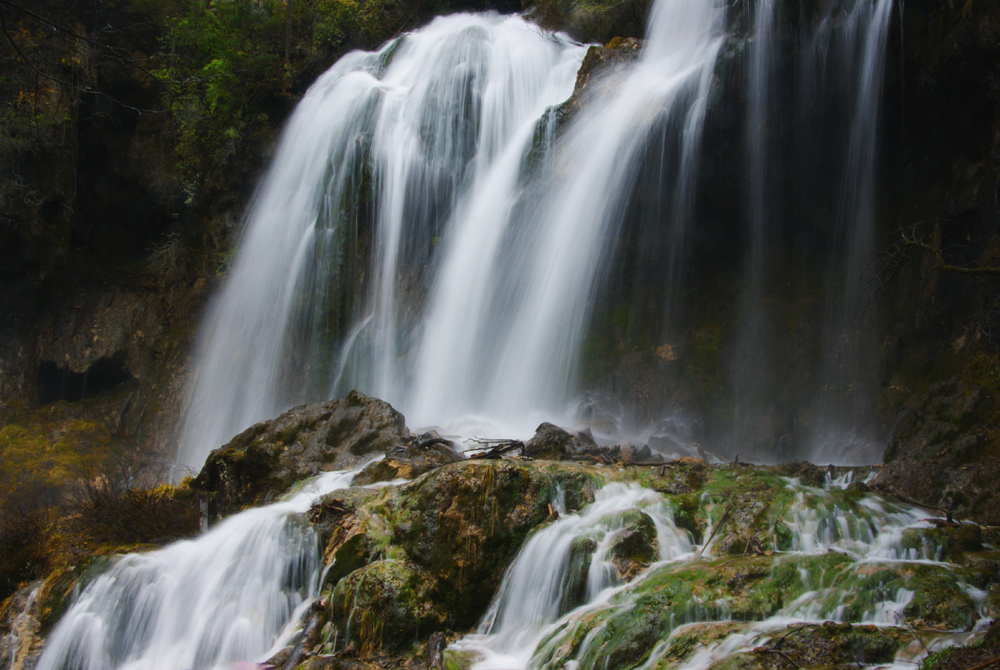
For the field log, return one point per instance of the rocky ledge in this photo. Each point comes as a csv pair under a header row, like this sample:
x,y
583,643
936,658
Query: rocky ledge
x,y
575,555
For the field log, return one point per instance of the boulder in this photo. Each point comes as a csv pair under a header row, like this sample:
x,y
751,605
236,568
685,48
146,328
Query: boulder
x,y
410,460
388,605
554,443
466,521
267,459
633,547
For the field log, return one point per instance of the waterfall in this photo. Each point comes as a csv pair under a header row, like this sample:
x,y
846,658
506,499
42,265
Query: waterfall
x,y
526,361
385,159
205,603
434,231
850,352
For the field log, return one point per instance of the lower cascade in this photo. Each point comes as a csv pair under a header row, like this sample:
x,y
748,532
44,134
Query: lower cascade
x,y
673,565
850,570
204,603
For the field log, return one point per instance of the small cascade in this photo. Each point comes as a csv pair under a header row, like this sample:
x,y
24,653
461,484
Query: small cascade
x,y
568,564
869,531
17,644
849,563
223,597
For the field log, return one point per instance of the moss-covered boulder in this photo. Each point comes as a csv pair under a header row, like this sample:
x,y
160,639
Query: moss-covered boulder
x,y
388,605
825,645
465,522
633,547
265,460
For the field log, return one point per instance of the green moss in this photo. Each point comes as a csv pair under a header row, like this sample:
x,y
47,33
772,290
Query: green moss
x,y
459,660
386,606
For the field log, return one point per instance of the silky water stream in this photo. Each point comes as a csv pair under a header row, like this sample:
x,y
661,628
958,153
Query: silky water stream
x,y
224,597
835,564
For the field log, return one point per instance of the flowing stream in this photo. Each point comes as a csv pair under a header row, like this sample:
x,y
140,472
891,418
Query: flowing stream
x,y
221,598
532,623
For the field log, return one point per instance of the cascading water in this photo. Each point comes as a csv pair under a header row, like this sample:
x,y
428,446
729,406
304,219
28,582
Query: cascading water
x,y
206,603
850,361
433,233
388,153
555,572
841,554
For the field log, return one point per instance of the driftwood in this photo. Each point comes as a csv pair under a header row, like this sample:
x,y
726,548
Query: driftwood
x,y
494,449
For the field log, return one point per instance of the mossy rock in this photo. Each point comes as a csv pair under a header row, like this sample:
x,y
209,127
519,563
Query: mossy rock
x,y
826,645
61,586
952,542
385,606
408,462
267,459
633,547
938,603
454,659
622,633
465,522
574,591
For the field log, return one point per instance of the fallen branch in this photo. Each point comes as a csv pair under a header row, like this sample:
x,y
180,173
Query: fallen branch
x,y
768,650
985,664
497,449
715,528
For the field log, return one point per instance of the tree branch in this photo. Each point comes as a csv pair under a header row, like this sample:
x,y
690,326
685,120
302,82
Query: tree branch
x,y
98,45
943,265
62,82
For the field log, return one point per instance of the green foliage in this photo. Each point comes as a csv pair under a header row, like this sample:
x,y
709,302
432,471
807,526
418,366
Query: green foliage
x,y
223,67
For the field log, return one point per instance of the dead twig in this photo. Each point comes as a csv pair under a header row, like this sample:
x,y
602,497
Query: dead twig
x,y
715,528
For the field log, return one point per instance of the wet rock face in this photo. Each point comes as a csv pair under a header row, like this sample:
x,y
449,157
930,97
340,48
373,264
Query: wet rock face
x,y
387,605
594,20
600,62
944,451
264,461
633,547
459,526
464,524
